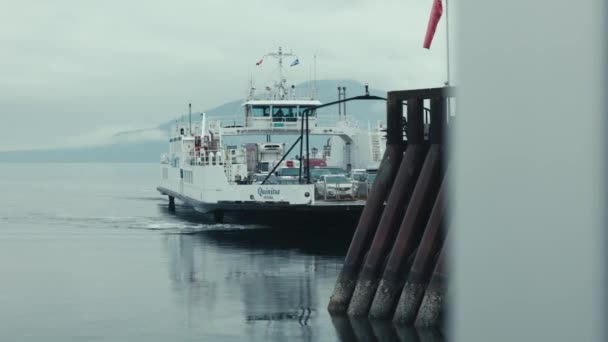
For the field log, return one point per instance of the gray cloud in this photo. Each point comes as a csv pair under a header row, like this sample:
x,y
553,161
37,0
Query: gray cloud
x,y
72,67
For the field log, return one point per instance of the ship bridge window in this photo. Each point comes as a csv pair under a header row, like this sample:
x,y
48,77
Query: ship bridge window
x,y
284,113
260,111
311,113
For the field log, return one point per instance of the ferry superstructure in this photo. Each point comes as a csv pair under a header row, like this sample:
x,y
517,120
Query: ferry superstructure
x,y
205,172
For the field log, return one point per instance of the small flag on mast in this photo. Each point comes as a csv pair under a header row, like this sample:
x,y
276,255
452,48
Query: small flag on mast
x,y
295,62
259,62
436,13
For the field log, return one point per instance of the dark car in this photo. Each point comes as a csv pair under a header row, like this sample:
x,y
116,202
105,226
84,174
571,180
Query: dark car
x,y
334,170
365,186
289,172
318,172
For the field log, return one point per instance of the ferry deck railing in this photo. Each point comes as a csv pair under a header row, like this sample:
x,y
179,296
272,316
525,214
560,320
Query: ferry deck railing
x,y
321,120
206,158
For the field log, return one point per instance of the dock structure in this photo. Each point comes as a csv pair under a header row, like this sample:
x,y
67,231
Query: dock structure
x,y
393,269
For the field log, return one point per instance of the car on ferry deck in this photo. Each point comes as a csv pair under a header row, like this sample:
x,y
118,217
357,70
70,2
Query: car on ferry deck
x,y
318,172
335,170
357,175
258,178
362,188
334,186
289,173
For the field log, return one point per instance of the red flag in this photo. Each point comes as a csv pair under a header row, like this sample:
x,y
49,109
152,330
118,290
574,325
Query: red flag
x,y
436,13
259,62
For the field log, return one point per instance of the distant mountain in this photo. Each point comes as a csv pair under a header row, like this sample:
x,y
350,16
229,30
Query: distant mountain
x,y
128,147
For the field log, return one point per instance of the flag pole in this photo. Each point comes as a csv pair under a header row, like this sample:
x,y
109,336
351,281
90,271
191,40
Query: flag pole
x,y
447,49
447,40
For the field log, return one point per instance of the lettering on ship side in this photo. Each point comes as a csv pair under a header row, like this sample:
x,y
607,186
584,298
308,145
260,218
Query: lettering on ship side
x,y
268,193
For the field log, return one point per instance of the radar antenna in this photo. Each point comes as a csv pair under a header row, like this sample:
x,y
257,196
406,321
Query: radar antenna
x,y
279,56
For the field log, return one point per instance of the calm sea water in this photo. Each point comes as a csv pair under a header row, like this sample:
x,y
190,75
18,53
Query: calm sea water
x,y
90,252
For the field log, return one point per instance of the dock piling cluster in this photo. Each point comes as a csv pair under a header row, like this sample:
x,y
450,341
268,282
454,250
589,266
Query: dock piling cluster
x,y
395,267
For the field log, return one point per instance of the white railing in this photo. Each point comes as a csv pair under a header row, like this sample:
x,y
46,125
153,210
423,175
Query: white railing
x,y
292,94
227,121
196,128
205,158
335,120
316,121
320,119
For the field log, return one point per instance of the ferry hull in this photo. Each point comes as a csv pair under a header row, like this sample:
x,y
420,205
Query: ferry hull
x,y
325,213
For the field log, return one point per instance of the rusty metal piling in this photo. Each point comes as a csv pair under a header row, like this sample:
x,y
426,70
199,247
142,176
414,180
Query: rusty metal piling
x,y
415,218
370,216
393,213
401,226
410,231
384,331
422,268
431,306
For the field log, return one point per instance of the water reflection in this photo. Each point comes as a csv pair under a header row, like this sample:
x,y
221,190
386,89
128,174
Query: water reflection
x,y
188,276
362,329
267,281
269,284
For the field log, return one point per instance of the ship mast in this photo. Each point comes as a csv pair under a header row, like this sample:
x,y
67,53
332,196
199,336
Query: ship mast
x,y
279,56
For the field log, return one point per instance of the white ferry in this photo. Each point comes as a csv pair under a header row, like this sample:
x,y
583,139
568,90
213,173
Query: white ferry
x,y
204,171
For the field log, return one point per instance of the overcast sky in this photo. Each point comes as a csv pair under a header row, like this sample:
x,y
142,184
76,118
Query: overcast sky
x,y
75,72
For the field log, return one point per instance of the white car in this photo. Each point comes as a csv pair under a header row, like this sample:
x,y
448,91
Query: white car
x,y
334,186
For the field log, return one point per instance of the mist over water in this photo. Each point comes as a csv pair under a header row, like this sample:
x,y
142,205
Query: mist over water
x,y
90,252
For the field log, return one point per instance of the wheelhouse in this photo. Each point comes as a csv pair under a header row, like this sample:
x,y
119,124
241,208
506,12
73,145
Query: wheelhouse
x,y
278,113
